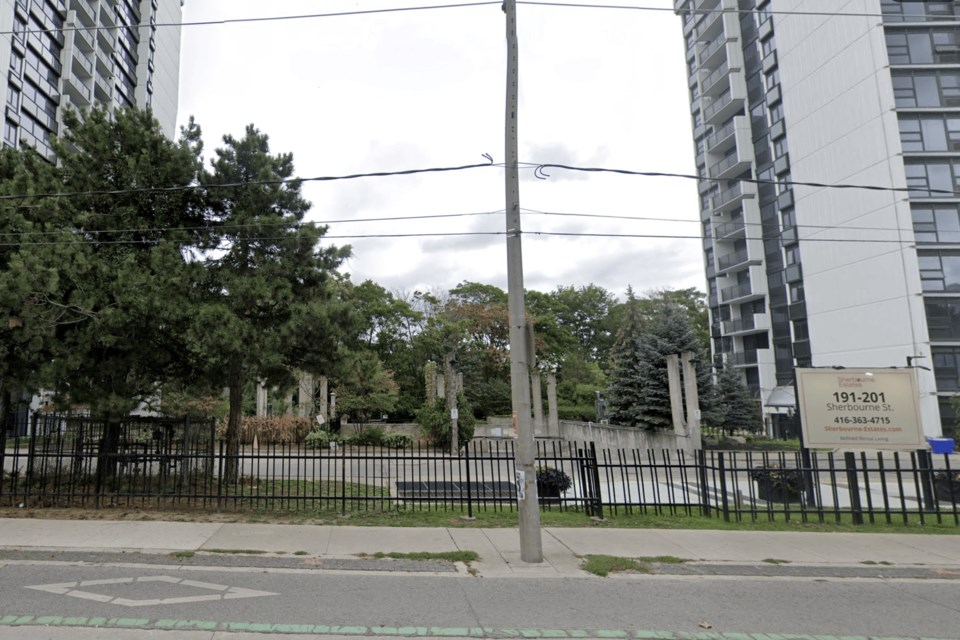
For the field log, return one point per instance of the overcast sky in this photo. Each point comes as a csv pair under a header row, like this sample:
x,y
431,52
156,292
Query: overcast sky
x,y
417,89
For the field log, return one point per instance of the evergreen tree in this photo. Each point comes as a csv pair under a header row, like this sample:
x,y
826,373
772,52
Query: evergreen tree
x,y
626,381
639,393
272,300
732,407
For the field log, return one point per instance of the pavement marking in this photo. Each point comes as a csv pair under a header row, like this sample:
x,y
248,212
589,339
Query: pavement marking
x,y
407,632
73,590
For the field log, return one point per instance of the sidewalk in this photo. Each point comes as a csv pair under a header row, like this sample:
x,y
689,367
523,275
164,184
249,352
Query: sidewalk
x,y
499,549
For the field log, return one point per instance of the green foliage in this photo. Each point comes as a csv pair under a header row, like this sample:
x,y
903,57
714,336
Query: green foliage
x,y
321,439
780,478
364,388
397,440
368,437
639,392
732,407
551,480
436,426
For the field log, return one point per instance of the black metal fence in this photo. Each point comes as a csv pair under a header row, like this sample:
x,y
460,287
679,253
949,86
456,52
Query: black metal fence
x,y
79,462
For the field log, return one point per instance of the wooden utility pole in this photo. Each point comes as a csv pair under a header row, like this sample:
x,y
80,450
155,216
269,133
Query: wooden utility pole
x,y
531,546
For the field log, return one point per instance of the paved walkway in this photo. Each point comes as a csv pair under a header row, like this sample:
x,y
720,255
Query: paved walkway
x,y
499,549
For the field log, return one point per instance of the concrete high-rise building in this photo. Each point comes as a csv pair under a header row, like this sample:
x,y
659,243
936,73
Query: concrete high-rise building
x,y
81,53
795,91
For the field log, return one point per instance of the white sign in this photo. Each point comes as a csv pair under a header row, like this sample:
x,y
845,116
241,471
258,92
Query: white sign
x,y
521,476
860,408
454,414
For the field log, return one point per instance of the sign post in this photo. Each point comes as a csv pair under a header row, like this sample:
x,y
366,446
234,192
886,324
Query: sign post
x,y
859,408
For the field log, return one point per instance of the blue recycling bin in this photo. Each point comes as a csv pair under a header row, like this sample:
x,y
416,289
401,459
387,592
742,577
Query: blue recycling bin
x,y
941,445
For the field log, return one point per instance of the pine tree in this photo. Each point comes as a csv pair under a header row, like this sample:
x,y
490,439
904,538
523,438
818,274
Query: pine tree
x,y
623,395
732,407
639,394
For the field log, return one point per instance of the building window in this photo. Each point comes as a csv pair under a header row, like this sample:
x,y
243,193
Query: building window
x,y
927,46
932,178
930,133
940,270
899,11
945,368
936,223
943,318
796,293
927,89
10,133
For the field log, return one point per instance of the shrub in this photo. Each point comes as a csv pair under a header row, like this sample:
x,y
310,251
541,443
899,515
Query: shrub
x,y
435,424
271,429
397,440
370,437
789,480
550,478
320,439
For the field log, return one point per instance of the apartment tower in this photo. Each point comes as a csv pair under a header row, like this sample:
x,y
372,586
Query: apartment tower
x,y
831,92
79,53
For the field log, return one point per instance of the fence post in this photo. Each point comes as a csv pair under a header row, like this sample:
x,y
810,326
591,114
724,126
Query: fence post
x,y
850,462
721,467
466,453
219,476
343,481
595,477
704,477
925,463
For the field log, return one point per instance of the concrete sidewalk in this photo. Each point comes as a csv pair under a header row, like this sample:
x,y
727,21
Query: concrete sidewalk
x,y
499,549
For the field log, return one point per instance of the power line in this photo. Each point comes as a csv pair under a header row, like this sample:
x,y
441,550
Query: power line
x,y
449,234
229,185
225,21
361,12
579,5
542,175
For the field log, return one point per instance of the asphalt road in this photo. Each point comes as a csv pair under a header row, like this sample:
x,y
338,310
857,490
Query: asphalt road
x,y
82,594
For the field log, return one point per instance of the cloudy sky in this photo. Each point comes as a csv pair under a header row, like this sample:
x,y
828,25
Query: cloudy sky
x,y
416,89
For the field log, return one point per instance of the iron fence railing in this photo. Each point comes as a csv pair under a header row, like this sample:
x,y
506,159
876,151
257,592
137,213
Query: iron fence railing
x,y
81,462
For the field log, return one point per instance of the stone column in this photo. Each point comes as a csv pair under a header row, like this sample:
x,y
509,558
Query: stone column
x,y
537,397
693,399
553,425
305,407
676,394
261,399
323,408
430,379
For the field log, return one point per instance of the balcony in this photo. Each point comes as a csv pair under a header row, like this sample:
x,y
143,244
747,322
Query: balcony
x,y
723,108
102,89
740,293
721,138
743,358
82,67
732,197
716,81
730,166
104,63
76,91
82,39
84,11
714,52
757,322
733,230
732,260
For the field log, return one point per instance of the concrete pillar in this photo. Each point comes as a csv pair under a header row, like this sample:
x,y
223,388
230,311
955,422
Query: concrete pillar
x,y
333,405
553,424
440,385
693,399
537,397
261,399
323,407
430,379
676,394
305,407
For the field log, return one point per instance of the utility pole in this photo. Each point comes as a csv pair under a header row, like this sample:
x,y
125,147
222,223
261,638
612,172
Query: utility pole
x,y
531,546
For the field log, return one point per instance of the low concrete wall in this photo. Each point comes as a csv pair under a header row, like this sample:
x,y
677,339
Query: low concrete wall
x,y
607,436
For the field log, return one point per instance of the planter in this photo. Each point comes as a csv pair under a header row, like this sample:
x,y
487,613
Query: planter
x,y
548,493
942,489
771,492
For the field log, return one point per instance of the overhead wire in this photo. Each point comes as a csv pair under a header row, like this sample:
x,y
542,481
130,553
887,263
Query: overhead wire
x,y
407,9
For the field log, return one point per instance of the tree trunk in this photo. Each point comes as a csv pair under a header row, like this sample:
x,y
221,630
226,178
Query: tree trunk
x,y
231,464
107,458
